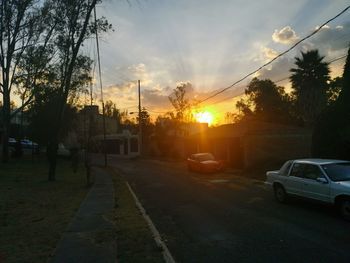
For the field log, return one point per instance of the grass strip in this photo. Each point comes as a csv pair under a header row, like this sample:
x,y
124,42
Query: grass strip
x,y
135,241
33,211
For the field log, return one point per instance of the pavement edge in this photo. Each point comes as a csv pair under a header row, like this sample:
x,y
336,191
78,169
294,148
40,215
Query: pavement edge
x,y
158,239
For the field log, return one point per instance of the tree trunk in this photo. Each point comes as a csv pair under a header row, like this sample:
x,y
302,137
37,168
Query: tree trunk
x,y
6,111
5,144
52,157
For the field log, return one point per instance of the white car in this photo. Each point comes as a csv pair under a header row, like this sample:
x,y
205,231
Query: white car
x,y
320,179
62,151
28,144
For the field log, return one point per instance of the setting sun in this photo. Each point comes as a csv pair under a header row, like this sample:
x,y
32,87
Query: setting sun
x,y
204,117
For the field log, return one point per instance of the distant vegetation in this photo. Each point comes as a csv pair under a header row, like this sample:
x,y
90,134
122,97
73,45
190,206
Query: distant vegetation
x,y
316,102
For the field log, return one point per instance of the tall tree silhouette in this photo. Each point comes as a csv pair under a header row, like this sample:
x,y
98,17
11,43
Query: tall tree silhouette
x,y
266,101
179,101
74,27
310,84
24,28
344,96
331,136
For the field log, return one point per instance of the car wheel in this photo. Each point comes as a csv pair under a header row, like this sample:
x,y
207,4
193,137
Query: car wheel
x,y
280,194
344,209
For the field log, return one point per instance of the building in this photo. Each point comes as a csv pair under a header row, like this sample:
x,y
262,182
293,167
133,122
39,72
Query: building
x,y
90,130
90,123
122,144
251,143
170,137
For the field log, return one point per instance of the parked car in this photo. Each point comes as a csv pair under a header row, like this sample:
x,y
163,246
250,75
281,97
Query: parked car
x,y
319,179
12,145
204,163
28,144
62,151
12,142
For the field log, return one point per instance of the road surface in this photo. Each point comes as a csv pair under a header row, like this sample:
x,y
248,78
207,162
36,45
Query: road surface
x,y
227,218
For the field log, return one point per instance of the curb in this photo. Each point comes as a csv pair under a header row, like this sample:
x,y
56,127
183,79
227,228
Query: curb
x,y
168,258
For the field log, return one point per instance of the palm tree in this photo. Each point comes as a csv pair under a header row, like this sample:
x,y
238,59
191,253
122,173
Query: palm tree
x,y
310,83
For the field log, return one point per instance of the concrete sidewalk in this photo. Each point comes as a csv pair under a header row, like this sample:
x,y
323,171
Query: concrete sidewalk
x,y
90,237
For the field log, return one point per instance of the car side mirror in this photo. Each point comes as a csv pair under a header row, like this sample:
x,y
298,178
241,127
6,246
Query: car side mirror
x,y
322,180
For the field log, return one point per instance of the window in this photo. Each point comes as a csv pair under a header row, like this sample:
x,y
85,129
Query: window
x,y
204,157
312,172
338,171
285,168
297,170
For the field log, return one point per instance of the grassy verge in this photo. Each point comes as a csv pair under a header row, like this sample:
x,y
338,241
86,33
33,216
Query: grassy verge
x,y
134,238
34,212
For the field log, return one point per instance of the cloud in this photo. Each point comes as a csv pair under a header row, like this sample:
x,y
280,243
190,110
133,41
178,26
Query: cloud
x,y
269,53
133,73
285,36
331,42
154,92
122,87
153,98
278,70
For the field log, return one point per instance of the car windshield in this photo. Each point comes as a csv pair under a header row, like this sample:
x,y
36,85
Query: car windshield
x,y
205,157
338,171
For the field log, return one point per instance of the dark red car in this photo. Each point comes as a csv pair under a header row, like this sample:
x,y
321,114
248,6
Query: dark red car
x,y
204,163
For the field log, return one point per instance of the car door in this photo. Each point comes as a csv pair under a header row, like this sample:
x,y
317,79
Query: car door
x,y
295,181
196,163
312,188
192,162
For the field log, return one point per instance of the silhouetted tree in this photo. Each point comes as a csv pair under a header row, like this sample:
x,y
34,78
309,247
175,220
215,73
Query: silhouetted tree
x,y
266,102
41,112
179,101
145,117
331,136
310,84
335,87
111,110
24,27
231,117
74,27
147,127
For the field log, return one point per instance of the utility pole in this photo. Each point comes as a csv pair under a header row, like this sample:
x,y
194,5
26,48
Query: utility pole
x,y
103,104
140,121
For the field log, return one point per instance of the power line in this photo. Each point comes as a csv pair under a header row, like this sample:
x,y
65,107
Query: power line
x,y
241,93
277,81
100,75
336,59
278,56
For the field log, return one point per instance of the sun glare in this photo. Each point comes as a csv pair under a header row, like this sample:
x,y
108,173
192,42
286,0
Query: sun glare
x,y
204,117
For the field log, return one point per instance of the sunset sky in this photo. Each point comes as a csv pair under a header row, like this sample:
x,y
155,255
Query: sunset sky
x,y
210,44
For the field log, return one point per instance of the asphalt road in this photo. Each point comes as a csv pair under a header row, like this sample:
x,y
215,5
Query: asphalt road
x,y
227,218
